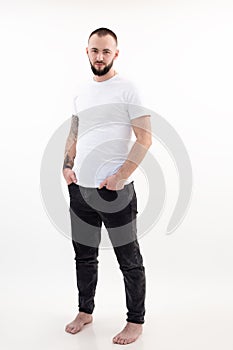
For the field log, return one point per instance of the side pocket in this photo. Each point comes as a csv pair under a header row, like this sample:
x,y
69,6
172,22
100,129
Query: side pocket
x,y
133,199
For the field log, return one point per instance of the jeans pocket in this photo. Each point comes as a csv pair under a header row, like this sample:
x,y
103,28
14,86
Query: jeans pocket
x,y
132,198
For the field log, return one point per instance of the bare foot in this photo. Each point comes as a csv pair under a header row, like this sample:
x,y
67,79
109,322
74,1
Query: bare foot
x,y
129,334
81,319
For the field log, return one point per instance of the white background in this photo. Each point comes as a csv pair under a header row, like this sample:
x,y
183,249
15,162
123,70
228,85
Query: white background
x,y
180,53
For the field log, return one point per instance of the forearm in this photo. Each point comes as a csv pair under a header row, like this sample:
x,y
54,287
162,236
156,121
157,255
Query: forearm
x,y
136,155
69,156
70,147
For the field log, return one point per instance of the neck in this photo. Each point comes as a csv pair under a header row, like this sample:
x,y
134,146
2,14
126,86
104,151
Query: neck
x,y
107,76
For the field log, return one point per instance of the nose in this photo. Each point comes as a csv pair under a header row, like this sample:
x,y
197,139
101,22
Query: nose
x,y
99,56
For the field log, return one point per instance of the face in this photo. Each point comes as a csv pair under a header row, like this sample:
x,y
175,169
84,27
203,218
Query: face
x,y
102,52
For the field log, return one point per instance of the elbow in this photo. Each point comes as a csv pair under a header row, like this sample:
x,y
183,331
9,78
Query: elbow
x,y
148,144
145,142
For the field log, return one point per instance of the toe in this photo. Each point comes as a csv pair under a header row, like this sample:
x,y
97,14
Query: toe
x,y
118,341
115,339
74,330
67,328
121,341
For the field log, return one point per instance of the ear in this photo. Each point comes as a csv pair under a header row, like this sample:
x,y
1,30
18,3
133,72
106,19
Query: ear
x,y
116,54
87,50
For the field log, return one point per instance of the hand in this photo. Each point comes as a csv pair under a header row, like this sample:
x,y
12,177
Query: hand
x,y
69,176
113,182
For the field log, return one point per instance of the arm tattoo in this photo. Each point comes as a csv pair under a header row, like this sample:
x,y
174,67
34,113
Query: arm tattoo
x,y
70,148
74,128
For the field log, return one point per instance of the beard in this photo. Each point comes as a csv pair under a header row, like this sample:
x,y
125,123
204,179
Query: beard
x,y
100,72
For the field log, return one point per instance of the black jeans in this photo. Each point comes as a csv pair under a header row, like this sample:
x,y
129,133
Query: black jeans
x,y
89,207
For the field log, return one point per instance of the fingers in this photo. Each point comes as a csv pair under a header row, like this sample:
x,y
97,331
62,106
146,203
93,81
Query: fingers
x,y
73,178
103,183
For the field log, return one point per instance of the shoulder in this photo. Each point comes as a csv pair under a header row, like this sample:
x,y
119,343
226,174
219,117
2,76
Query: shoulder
x,y
128,88
81,92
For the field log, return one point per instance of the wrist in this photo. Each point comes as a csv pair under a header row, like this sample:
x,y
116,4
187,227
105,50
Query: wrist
x,y
67,166
121,175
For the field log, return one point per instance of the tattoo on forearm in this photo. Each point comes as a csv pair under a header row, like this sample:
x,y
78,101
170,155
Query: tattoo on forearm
x,y
70,148
74,128
68,162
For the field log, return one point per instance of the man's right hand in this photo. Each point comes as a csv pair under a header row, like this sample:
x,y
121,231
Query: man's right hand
x,y
69,176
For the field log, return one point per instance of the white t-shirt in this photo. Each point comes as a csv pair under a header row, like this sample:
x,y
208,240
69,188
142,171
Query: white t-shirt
x,y
105,110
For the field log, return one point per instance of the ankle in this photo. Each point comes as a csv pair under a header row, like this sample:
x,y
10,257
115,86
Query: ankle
x,y
82,313
133,324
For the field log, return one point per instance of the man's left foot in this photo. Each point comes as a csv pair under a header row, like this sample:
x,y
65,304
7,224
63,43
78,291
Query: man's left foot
x,y
129,334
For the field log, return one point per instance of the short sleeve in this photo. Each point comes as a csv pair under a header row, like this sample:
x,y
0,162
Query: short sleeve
x,y
74,106
135,104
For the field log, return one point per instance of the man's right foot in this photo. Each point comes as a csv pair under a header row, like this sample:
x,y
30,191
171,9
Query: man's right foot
x,y
81,319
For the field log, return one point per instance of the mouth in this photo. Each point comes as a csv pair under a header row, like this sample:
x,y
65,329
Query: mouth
x,y
99,64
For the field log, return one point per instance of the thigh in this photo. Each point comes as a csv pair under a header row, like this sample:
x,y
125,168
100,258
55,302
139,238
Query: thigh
x,y
121,224
85,220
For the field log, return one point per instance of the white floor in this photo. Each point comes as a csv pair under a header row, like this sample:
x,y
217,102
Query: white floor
x,y
197,319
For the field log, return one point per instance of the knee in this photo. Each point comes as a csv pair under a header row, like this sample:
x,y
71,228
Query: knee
x,y
132,267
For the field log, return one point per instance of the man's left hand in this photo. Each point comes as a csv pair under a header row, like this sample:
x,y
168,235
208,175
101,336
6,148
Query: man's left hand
x,y
113,182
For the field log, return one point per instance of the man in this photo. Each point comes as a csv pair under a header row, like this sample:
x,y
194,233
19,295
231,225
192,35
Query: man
x,y
106,113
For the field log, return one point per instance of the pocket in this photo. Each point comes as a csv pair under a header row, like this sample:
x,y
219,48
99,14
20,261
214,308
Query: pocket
x,y
133,200
72,183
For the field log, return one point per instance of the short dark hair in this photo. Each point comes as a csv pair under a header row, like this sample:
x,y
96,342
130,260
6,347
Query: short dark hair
x,y
103,32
